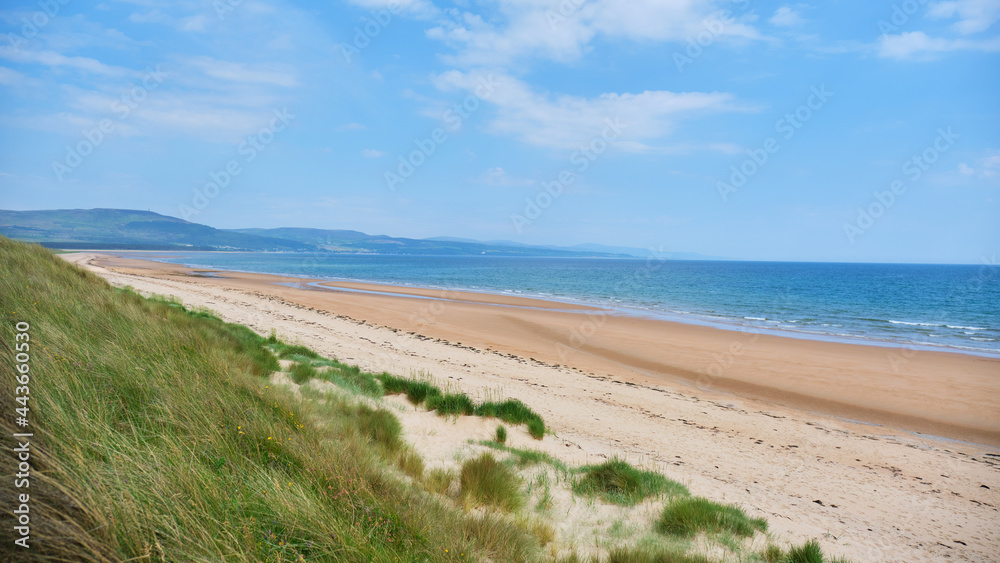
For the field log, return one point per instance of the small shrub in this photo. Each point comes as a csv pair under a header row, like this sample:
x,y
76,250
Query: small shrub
x,y
617,482
484,480
501,435
686,516
302,373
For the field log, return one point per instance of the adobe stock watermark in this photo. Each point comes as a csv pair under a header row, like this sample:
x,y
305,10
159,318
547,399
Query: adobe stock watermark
x,y
594,320
990,269
93,138
453,118
33,24
787,126
914,168
581,159
712,28
248,148
372,28
562,11
900,16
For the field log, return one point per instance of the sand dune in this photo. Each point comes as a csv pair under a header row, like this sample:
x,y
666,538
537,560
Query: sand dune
x,y
758,420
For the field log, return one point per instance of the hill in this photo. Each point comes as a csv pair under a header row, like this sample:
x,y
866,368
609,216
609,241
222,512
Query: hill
x,y
121,228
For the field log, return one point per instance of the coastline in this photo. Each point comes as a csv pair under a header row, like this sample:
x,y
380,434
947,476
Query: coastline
x,y
875,333
868,493
940,394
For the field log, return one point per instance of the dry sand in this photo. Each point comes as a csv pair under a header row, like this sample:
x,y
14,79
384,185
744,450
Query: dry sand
x,y
758,420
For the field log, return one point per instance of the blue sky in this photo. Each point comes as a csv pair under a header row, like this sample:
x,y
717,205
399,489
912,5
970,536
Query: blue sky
x,y
828,131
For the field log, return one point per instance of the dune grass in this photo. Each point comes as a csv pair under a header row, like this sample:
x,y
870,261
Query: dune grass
x,y
417,392
158,438
301,373
500,436
486,481
617,482
687,516
524,458
640,555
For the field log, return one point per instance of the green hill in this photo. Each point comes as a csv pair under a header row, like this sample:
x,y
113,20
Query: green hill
x,y
121,228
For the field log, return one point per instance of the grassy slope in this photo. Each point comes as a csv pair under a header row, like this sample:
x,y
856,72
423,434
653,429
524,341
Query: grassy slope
x,y
160,440
158,437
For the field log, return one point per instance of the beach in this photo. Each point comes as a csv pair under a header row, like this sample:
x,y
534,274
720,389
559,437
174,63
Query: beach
x,y
883,454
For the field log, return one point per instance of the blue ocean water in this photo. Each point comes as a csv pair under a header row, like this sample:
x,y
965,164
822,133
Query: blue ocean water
x,y
938,306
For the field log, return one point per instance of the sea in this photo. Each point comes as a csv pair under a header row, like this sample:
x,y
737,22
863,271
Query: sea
x,y
938,307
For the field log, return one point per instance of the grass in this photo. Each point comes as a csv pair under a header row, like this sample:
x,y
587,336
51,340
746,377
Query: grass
x,y
524,458
640,555
809,552
511,411
439,480
617,482
302,373
500,436
157,437
687,516
486,481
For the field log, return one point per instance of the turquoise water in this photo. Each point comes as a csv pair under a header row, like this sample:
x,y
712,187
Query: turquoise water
x,y
939,306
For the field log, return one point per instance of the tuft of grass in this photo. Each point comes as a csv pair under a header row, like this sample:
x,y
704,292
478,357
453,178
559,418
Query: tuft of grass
x,y
617,482
486,481
640,555
350,378
500,436
289,350
514,412
411,463
439,480
687,516
536,428
302,373
450,404
511,411
524,458
381,426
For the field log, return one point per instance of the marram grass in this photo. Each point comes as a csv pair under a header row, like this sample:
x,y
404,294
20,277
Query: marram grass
x,y
159,441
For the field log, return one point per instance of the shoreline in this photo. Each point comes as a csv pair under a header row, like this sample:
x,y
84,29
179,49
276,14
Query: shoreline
x,y
868,493
703,319
930,393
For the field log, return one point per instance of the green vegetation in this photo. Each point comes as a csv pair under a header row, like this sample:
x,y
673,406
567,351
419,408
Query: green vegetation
x,y
484,480
809,552
687,516
524,458
617,482
157,437
302,373
511,411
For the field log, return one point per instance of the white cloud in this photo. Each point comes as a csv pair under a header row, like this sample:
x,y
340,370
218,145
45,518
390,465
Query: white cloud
x,y
965,170
569,122
372,153
917,44
786,16
53,59
243,73
497,176
974,15
986,166
11,77
563,31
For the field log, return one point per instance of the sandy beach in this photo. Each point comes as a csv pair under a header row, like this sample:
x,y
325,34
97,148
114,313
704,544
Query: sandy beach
x,y
882,454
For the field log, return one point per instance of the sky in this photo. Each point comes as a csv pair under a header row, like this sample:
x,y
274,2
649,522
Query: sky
x,y
858,131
